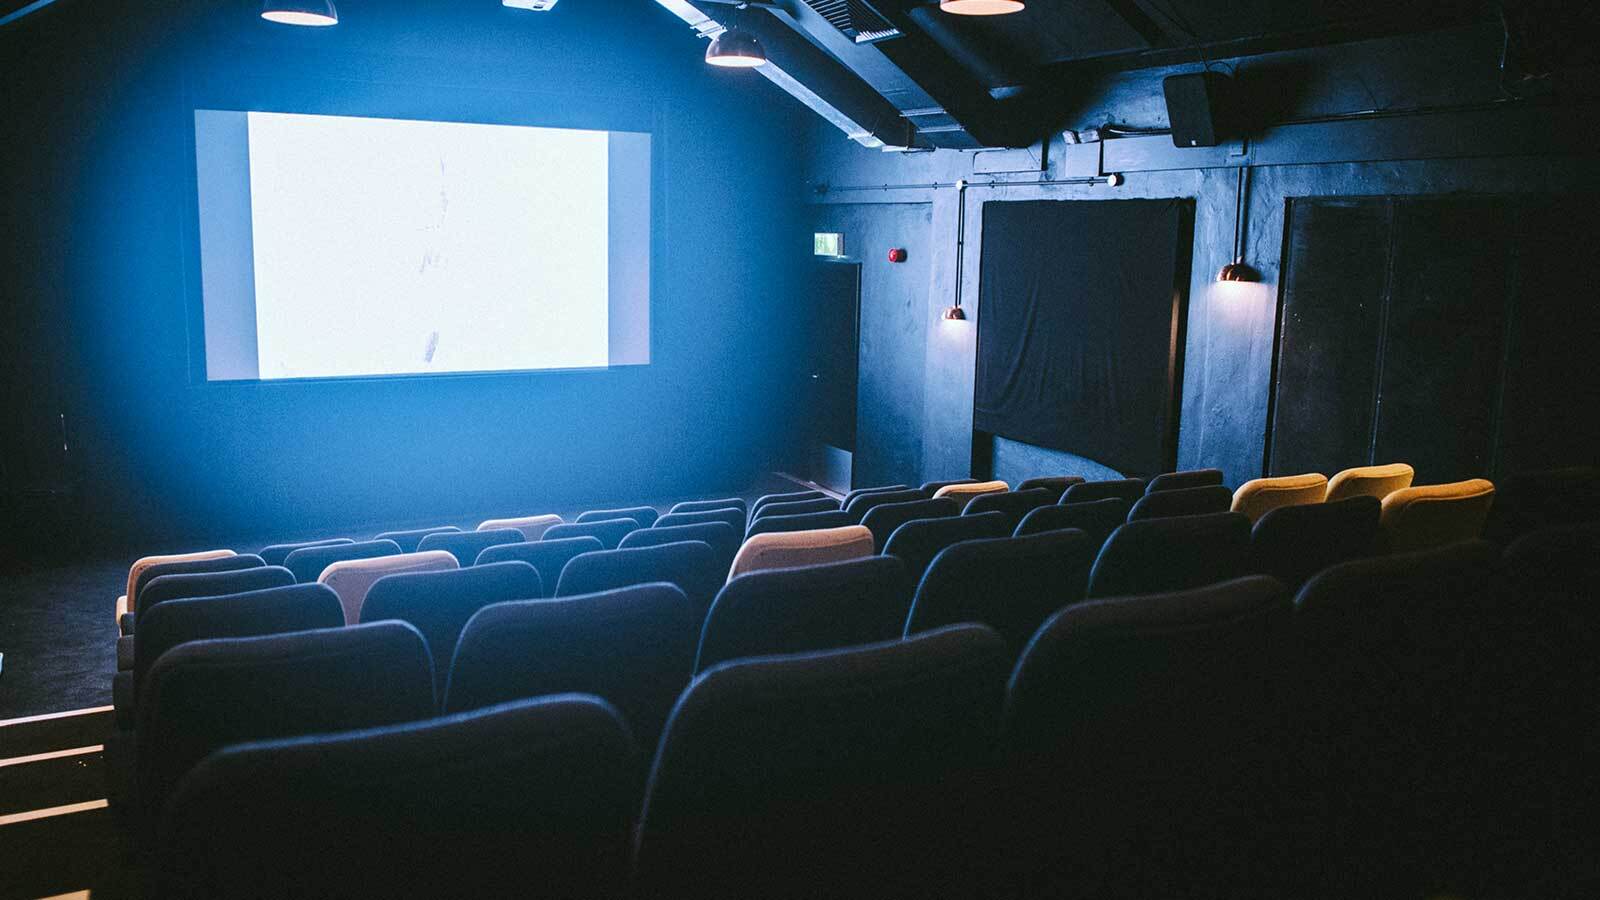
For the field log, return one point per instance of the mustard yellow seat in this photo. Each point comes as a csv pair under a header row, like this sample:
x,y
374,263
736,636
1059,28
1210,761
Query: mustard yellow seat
x,y
1259,496
1369,481
532,527
963,493
140,565
788,549
1418,518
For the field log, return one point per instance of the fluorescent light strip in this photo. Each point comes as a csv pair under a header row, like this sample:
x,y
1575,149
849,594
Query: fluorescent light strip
x,y
33,7
87,711
54,754
52,812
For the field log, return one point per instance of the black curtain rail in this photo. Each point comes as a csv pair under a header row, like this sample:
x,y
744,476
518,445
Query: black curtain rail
x,y
957,185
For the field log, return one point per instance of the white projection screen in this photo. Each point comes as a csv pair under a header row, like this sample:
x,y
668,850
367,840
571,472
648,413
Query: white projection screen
x,y
350,247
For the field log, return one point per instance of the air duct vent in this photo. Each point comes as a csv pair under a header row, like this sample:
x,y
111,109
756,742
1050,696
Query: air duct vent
x,y
856,19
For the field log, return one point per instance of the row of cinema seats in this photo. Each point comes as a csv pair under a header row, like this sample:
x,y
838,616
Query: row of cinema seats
x,y
635,647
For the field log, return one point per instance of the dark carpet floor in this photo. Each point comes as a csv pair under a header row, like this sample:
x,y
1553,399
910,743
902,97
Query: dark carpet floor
x,y
57,632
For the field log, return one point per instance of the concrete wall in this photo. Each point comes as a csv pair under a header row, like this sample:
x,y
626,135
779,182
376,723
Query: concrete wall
x,y
1439,139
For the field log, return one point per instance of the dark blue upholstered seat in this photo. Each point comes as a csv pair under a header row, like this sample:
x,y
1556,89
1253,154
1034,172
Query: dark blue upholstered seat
x,y
633,646
548,558
307,563
1011,584
917,542
438,604
862,772
807,608
526,797
1158,555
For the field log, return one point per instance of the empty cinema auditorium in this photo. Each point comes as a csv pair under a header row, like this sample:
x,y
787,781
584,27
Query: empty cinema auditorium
x,y
696,449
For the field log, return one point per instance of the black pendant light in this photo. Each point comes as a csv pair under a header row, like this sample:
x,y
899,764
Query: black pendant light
x,y
1238,269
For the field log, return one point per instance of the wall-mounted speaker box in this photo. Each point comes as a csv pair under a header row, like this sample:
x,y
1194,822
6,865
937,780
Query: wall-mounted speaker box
x,y
1195,105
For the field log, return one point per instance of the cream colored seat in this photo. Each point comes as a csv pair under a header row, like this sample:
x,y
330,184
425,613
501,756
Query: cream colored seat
x,y
787,549
1369,481
1259,496
352,578
532,527
140,566
963,493
1417,518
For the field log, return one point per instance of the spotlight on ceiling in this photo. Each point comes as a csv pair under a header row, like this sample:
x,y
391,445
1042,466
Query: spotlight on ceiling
x,y
982,7
955,314
300,12
736,48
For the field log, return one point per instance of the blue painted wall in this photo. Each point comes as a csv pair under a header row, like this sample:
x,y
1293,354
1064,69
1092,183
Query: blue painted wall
x,y
1231,333
98,179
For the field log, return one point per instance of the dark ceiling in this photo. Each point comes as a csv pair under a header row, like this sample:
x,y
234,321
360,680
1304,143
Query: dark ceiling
x,y
965,82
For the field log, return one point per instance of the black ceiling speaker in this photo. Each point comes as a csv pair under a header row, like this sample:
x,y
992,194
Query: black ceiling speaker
x,y
1195,108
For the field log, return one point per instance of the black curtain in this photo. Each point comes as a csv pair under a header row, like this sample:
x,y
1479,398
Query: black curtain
x,y
1080,326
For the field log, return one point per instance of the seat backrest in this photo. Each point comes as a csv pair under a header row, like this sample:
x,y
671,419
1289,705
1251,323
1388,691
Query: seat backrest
x,y
879,489
1192,478
543,782
732,516
162,588
1293,543
1152,556
1011,584
1416,518
352,578
691,566
1013,504
408,539
466,545
137,570
633,646
787,497
1195,501
932,487
1529,501
802,522
857,772
883,520
1369,481
532,528
644,515
274,610
719,536
787,549
689,506
275,554
203,695
438,604
963,493
1095,518
307,563
796,508
1057,484
548,557
1399,604
864,503
821,607
1259,496
232,562
609,532
917,542
1151,718
1129,489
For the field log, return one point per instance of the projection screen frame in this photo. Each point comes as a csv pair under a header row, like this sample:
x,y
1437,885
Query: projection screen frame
x,y
361,99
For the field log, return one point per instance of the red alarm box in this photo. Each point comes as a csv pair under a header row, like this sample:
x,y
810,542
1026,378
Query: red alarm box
x,y
897,255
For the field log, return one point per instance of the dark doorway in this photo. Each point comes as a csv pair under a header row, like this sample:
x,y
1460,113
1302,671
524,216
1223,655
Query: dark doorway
x,y
834,369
